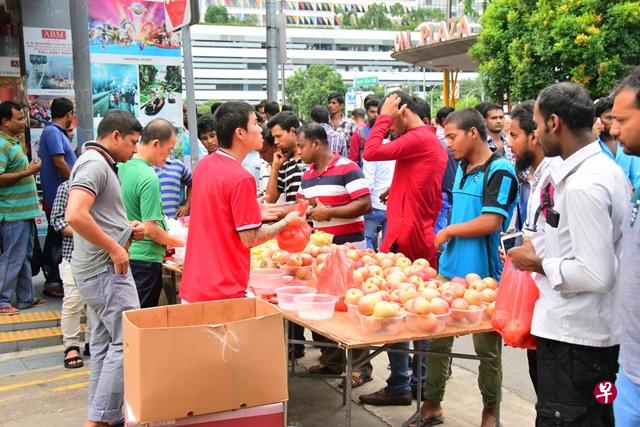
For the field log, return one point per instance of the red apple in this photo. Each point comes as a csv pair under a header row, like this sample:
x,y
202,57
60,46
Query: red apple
x,y
353,254
385,310
473,297
472,277
421,263
368,260
431,272
430,293
488,295
418,305
491,283
428,323
478,285
459,304
307,259
386,263
384,295
283,257
491,308
439,306
395,296
448,295
370,286
403,262
375,271
459,280
407,293
360,275
367,303
353,295
395,278
416,280
295,260
320,259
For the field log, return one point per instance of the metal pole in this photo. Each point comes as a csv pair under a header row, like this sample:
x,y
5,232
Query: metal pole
x,y
284,99
82,69
191,95
272,51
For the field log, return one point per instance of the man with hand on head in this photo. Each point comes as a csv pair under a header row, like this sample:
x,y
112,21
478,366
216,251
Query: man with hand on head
x,y
100,261
142,200
224,205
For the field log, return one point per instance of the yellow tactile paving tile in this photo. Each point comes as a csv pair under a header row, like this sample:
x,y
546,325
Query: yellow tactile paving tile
x,y
31,317
29,334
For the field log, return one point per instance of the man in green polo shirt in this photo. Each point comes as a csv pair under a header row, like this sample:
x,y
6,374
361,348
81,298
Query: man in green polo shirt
x,y
143,202
18,208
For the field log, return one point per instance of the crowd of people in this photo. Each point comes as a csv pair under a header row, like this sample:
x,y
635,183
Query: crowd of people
x,y
390,177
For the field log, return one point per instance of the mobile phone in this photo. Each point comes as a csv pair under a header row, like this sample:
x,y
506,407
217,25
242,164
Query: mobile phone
x,y
511,240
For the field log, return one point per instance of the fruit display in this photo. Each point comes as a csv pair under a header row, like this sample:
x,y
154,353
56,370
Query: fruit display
x,y
320,238
261,254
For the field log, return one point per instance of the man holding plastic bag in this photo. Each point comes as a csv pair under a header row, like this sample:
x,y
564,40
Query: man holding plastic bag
x,y
340,196
573,318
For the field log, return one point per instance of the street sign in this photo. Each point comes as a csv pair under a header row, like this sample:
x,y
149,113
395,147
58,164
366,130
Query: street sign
x,y
181,13
350,98
366,82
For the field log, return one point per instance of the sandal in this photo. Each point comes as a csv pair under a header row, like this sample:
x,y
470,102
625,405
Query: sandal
x,y
358,380
428,422
322,370
9,310
75,361
54,292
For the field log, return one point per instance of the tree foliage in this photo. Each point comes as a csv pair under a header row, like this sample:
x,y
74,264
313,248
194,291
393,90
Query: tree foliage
x,y
216,14
309,87
525,46
375,18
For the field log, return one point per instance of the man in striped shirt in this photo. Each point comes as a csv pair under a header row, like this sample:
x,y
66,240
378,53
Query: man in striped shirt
x,y
287,167
174,176
18,208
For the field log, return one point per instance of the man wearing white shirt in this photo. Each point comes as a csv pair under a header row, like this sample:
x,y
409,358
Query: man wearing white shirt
x,y
378,176
573,318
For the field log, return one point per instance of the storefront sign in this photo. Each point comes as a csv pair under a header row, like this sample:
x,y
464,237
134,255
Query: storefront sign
x,y
431,33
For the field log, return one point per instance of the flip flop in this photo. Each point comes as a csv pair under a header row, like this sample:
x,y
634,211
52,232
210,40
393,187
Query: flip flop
x,y
54,292
9,310
358,380
74,362
431,421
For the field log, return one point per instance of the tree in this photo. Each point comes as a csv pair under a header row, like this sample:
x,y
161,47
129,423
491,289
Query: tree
x,y
173,78
375,18
216,15
525,46
397,9
309,87
417,16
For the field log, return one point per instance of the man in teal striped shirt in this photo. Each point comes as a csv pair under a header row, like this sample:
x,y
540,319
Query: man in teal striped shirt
x,y
18,208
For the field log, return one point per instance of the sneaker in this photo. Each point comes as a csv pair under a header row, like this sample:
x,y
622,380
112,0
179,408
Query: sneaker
x,y
385,397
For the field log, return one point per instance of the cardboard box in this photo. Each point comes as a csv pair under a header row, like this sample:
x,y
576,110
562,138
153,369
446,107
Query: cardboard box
x,y
263,416
195,359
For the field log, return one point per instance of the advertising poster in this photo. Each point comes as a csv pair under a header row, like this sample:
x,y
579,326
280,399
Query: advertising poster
x,y
49,61
11,88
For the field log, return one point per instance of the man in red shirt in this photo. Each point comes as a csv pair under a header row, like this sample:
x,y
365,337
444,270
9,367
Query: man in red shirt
x,y
415,199
226,219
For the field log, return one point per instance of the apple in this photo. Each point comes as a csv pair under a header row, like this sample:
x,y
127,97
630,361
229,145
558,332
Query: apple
x,y
353,254
380,256
403,262
353,295
386,263
491,283
418,305
407,293
384,295
430,284
399,255
367,303
430,294
295,260
307,259
283,257
488,295
395,278
478,285
313,250
410,270
448,295
459,304
358,264
458,289
421,263
428,323
459,280
385,310
472,277
439,306
431,272
395,296
368,260
473,297
491,308
416,280
393,269
360,274
324,250
375,271
370,286
371,324
320,259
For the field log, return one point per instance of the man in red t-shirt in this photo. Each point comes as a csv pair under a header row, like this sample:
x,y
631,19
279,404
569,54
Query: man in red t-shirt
x,y
413,206
226,219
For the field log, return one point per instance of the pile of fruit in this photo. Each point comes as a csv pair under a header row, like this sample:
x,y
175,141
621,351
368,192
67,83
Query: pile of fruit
x,y
390,286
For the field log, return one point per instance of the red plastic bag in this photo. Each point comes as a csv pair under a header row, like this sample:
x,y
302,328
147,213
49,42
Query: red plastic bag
x,y
517,296
336,276
294,238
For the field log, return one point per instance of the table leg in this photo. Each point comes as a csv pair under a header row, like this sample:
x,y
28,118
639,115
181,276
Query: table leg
x,y
499,396
286,358
171,290
347,385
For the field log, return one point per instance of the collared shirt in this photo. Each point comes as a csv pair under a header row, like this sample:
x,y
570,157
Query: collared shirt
x,y
58,222
630,165
337,141
379,176
415,198
223,204
289,178
582,253
347,127
452,165
340,183
53,142
18,201
505,151
174,177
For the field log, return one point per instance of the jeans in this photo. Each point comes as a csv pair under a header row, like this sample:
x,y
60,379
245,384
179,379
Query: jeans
x,y
107,295
148,278
399,380
626,407
372,220
16,241
72,308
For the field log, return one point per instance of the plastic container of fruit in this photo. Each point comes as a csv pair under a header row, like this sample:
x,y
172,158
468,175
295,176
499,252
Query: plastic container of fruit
x,y
315,306
352,311
266,280
285,295
301,273
469,318
381,326
428,323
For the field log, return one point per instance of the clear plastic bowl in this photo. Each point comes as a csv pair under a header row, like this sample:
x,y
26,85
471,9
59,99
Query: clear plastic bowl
x,y
379,326
466,318
428,323
315,306
352,310
266,280
301,273
178,255
286,294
